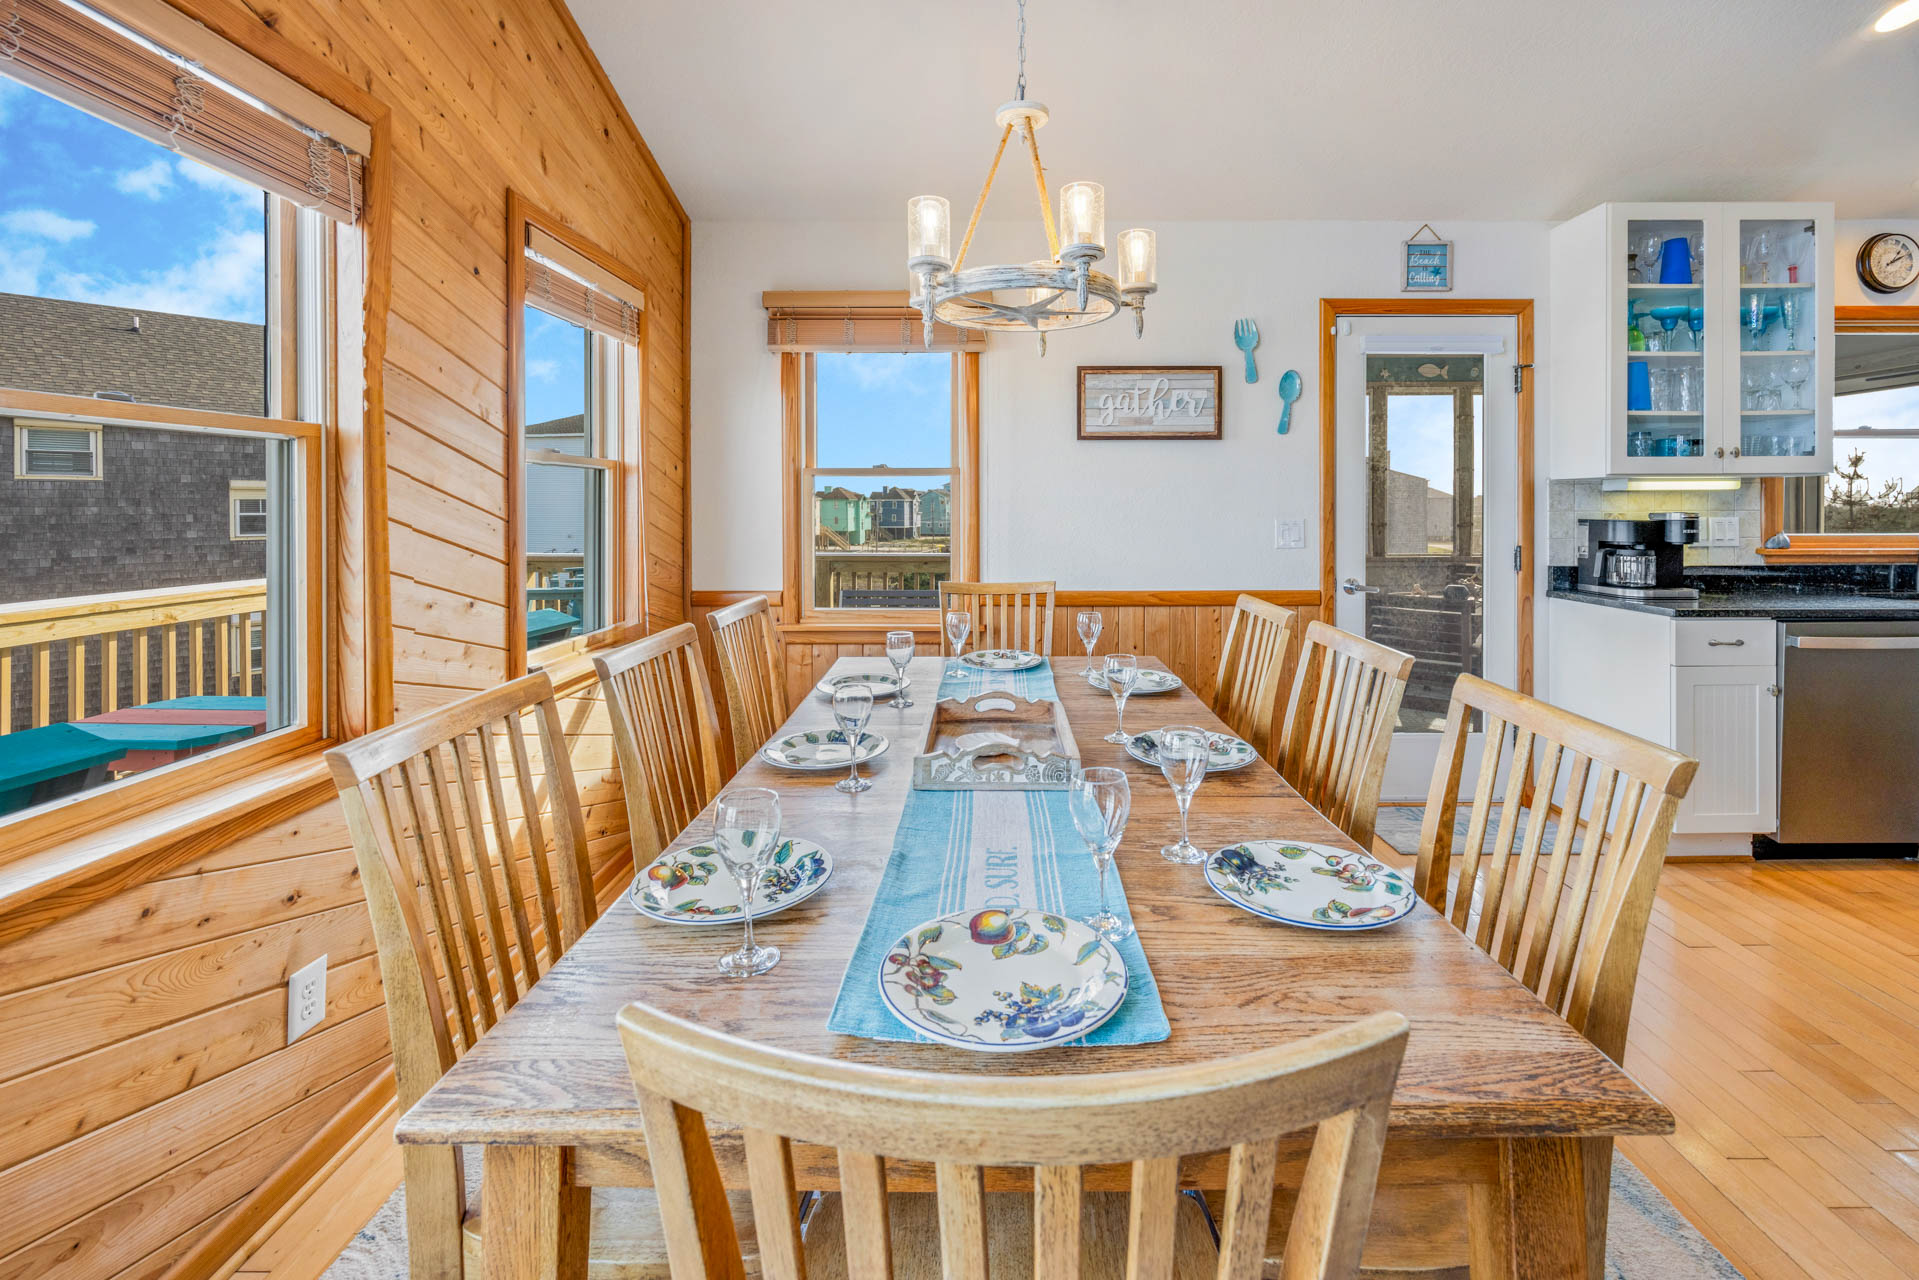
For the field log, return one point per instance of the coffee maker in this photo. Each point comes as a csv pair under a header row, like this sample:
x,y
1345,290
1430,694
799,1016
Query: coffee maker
x,y
1639,559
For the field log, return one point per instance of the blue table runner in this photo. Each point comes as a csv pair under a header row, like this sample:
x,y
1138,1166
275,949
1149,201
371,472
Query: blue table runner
x,y
956,850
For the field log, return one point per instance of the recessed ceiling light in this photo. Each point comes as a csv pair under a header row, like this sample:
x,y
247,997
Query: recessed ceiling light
x,y
1905,13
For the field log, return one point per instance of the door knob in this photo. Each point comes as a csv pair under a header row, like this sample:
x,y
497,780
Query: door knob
x,y
1354,587
1735,451
1719,452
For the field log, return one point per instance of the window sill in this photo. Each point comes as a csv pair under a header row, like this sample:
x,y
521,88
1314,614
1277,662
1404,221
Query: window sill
x,y
856,630
1812,550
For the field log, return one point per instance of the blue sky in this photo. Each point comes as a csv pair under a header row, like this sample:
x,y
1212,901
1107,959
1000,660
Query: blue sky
x,y
884,408
555,367
1885,459
92,213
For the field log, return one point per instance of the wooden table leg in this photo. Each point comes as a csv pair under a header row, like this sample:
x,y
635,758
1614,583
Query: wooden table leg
x,y
534,1222
1532,1226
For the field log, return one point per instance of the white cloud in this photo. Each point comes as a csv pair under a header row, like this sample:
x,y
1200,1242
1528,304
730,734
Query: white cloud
x,y
20,269
152,180
224,281
542,370
208,178
45,224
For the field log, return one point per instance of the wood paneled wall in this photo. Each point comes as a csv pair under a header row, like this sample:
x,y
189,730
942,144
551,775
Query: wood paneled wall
x,y
145,1081
1183,629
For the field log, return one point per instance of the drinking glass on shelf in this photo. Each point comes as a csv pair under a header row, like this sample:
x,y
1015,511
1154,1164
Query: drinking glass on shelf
x,y
1789,316
1655,336
1633,273
959,625
852,708
1697,323
1696,242
1665,397
1121,671
1648,244
899,652
1091,623
746,831
1764,245
1687,384
1755,309
1797,369
1184,750
1100,801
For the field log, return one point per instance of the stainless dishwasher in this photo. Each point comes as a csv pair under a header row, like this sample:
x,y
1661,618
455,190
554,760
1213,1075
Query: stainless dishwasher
x,y
1848,732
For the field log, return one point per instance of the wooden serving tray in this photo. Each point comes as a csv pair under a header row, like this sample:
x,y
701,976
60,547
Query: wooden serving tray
x,y
996,741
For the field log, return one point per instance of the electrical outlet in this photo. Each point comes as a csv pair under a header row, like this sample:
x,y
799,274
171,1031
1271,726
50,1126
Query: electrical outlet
x,y
306,999
1722,531
1289,535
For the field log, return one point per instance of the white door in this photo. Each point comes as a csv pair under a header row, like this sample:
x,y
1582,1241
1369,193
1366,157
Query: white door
x,y
1427,511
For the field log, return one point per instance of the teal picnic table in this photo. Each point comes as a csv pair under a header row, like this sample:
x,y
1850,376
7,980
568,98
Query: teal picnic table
x,y
53,760
157,733
544,626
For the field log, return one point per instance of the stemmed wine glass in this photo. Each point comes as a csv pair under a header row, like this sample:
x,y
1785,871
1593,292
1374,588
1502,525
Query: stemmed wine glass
x,y
1797,370
1100,801
959,625
1648,244
1756,318
746,831
1184,750
852,707
1091,623
1121,671
1789,316
899,652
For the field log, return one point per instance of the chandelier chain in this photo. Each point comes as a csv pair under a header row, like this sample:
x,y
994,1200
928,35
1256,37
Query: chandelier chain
x,y
1020,93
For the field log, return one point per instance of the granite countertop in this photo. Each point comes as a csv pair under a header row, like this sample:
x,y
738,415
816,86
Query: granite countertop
x,y
1801,606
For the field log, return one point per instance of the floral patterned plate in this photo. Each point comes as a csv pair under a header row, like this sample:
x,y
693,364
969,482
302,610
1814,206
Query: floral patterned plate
x,y
1314,886
883,684
692,886
1003,981
1150,681
1001,659
821,750
1227,753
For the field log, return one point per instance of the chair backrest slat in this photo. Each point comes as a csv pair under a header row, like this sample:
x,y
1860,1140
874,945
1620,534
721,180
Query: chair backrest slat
x,y
664,733
1339,1082
1339,725
428,804
1572,929
1006,615
1248,691
747,647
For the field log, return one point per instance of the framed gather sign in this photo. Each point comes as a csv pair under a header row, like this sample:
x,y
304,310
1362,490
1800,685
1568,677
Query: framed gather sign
x,y
1150,402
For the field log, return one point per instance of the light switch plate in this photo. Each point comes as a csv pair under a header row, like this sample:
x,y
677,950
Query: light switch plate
x,y
306,999
1289,535
1722,531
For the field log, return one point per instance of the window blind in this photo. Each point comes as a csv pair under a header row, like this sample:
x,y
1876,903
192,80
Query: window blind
x,y
57,451
816,327
161,90
566,283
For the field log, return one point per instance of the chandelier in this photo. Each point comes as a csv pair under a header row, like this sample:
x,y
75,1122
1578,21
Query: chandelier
x,y
1062,291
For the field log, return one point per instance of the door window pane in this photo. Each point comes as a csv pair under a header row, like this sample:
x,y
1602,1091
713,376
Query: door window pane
x,y
1668,315
880,544
1425,522
1778,338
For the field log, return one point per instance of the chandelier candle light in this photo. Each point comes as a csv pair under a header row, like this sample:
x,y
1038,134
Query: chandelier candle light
x,y
1059,292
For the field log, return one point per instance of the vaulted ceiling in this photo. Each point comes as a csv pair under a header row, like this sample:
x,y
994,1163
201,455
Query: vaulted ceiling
x,y
1250,109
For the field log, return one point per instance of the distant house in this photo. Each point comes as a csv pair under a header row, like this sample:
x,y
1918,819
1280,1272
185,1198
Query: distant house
x,y
896,513
844,515
87,509
555,496
936,512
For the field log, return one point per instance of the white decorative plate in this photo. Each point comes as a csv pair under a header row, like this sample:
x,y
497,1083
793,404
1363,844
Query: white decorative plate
x,y
1149,682
1003,981
1228,753
883,684
821,750
693,886
1001,659
1314,886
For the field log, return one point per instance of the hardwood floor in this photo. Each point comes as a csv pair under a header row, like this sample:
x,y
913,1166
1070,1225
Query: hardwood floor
x,y
1777,1014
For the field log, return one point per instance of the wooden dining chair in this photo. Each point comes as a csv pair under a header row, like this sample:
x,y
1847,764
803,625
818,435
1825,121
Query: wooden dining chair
x,y
1340,1081
1006,615
1248,692
1571,928
664,734
472,851
1339,725
748,648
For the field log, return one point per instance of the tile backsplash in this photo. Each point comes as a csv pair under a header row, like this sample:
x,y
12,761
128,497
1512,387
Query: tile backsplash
x,y
1571,501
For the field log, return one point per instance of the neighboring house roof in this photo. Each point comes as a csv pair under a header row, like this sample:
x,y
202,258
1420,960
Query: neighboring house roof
x,y
893,493
572,425
842,493
82,348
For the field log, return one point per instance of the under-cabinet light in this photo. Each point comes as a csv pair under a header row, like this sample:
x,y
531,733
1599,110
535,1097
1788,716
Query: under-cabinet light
x,y
1653,484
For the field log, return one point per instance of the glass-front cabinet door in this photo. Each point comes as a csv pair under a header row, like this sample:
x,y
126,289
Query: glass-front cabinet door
x,y
1779,382
1671,315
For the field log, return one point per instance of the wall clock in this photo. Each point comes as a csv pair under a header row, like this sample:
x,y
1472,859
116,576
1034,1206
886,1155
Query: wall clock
x,y
1888,262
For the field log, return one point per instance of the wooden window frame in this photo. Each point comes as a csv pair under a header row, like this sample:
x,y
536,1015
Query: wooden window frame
x,y
1841,548
626,485
799,456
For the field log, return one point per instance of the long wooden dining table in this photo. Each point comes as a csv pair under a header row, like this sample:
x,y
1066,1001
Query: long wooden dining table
x,y
1497,1092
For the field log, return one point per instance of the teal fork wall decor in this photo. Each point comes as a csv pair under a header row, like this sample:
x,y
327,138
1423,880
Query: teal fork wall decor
x,y
1246,337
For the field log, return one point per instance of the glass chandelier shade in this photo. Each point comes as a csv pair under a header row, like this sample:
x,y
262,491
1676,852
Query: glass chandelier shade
x,y
1138,259
929,230
1082,214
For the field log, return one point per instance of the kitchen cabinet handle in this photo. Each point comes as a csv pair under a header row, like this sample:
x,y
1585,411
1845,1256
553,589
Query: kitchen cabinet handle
x,y
1735,451
1852,642
1719,452
1717,643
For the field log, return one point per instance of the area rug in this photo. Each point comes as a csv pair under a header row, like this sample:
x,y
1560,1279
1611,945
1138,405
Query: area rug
x,y
1646,1238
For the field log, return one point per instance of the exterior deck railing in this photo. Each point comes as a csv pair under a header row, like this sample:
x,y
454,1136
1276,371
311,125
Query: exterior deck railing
x,y
67,659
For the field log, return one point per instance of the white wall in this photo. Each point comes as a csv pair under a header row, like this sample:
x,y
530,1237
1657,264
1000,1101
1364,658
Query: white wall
x,y
1193,515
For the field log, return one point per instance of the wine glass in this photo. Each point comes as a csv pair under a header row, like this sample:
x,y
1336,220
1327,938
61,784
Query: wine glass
x,y
1100,801
959,625
1184,750
1753,383
1648,244
746,831
1763,247
1696,242
852,707
1789,316
1121,671
1797,370
899,652
1756,318
1091,623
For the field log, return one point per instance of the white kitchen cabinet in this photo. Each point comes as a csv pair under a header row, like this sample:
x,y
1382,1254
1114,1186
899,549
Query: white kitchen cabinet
x,y
1736,374
1726,717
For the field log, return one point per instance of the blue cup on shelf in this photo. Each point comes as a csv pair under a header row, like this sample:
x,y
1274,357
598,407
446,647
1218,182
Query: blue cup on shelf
x,y
1638,385
1675,261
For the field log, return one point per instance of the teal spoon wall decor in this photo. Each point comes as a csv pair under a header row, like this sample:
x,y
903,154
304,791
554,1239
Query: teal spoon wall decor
x,y
1288,392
